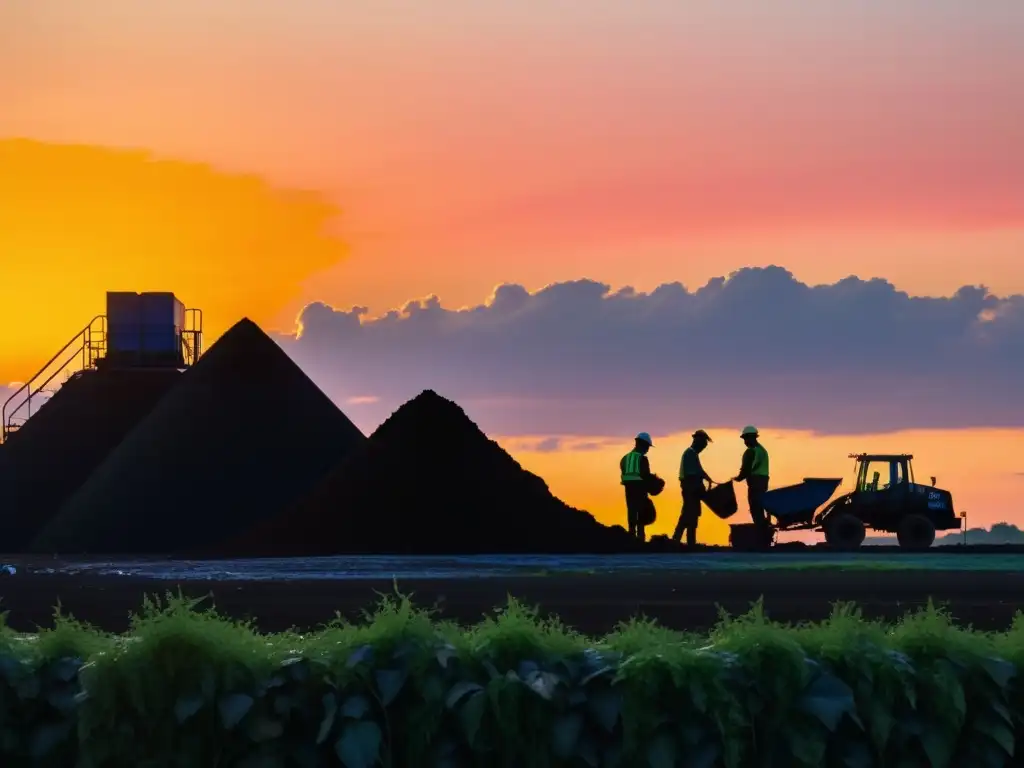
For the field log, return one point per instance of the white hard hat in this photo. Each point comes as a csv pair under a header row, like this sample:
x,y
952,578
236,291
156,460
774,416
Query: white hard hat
x,y
645,438
748,430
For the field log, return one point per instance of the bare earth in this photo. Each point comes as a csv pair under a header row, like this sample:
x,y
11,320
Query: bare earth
x,y
592,603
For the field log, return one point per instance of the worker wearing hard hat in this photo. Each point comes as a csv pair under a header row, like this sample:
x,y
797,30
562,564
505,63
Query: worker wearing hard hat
x,y
754,470
635,469
691,482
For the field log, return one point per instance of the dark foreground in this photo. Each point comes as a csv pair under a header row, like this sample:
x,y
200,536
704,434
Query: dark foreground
x,y
591,603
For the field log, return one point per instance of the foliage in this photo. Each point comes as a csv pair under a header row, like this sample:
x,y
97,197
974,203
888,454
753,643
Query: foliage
x,y
186,687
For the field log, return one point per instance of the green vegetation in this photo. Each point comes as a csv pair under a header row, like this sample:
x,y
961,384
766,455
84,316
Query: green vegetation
x,y
186,687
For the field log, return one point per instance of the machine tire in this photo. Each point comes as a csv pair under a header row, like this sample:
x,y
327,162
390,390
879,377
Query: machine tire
x,y
916,533
845,532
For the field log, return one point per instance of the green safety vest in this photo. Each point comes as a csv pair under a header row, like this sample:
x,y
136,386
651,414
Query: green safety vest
x,y
689,466
630,466
760,465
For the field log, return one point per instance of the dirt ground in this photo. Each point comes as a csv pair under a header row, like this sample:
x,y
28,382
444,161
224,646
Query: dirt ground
x,y
591,603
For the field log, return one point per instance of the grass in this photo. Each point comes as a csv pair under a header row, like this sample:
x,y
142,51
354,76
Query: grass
x,y
397,614
185,680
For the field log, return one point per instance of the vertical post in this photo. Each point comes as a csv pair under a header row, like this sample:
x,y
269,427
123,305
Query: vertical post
x,y
963,516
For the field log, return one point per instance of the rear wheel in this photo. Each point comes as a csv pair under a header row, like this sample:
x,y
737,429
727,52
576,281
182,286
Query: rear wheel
x,y
916,533
844,532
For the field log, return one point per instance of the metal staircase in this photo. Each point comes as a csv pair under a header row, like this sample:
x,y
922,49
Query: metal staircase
x,y
80,353
86,351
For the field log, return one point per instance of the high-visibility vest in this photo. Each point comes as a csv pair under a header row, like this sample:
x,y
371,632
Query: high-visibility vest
x,y
630,467
760,465
689,466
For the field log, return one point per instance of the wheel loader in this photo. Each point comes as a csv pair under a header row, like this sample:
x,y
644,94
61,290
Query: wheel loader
x,y
886,497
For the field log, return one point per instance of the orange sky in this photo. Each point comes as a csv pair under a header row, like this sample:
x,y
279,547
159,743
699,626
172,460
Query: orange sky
x,y
480,143
78,221
474,144
980,467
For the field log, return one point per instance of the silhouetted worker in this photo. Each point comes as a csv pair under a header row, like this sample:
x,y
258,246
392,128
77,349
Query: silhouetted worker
x,y
636,478
691,481
754,469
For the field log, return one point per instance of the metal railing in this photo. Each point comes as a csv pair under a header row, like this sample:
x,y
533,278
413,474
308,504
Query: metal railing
x,y
192,337
89,346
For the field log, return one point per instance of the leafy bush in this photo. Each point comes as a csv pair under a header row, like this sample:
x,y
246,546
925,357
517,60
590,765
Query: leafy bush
x,y
186,687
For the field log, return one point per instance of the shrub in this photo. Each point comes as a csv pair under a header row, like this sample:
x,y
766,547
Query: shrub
x,y
187,687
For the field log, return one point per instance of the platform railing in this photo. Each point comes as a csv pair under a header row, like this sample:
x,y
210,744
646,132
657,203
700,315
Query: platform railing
x,y
85,348
192,337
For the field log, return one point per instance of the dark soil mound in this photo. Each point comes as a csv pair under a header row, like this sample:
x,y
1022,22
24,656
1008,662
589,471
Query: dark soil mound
x,y
428,481
56,450
243,435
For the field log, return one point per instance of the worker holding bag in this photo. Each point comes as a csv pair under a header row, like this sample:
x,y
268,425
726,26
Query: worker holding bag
x,y
691,482
754,470
638,481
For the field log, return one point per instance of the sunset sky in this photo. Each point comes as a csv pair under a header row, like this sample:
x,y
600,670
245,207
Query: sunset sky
x,y
367,155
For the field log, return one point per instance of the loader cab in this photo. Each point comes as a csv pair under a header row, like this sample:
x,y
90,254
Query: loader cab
x,y
883,486
880,472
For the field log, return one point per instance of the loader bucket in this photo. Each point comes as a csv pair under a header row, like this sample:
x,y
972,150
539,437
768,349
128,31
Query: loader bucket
x,y
796,504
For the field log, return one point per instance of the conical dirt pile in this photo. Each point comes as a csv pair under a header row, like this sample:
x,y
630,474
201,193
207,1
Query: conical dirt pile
x,y
428,481
56,450
242,436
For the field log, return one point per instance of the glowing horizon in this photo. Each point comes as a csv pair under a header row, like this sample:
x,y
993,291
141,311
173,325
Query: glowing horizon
x,y
351,155
588,479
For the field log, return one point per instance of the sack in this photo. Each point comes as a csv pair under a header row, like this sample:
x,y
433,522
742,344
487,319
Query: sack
x,y
647,513
655,486
721,500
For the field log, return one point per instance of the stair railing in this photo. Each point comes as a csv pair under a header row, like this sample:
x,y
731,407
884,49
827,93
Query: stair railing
x,y
89,349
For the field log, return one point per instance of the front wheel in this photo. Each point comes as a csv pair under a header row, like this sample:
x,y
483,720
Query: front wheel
x,y
844,532
916,533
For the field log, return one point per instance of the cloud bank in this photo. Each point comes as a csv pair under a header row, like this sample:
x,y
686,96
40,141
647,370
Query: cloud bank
x,y
759,347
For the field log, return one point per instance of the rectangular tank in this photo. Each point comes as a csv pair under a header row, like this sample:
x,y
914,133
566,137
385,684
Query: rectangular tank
x,y
123,325
144,328
122,308
161,318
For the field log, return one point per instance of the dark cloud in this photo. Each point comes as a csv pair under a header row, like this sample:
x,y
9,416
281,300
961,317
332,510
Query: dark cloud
x,y
758,346
548,445
591,445
555,444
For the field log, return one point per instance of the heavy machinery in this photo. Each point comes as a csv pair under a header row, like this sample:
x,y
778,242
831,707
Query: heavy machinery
x,y
885,497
